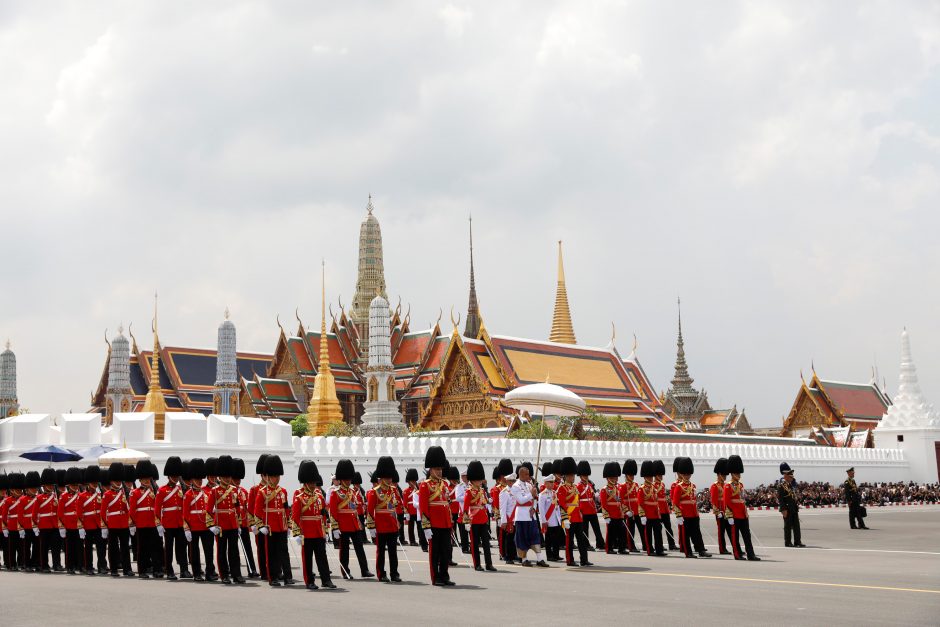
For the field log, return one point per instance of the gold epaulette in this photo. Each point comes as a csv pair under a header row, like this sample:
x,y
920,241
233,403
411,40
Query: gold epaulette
x,y
370,523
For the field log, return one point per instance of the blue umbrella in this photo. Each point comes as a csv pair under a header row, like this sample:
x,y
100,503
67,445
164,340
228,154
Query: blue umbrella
x,y
94,452
51,453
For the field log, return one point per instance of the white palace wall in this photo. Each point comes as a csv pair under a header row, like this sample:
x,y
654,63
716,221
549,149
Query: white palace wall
x,y
192,435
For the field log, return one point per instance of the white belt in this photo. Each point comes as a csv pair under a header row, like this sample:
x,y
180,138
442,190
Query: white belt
x,y
170,509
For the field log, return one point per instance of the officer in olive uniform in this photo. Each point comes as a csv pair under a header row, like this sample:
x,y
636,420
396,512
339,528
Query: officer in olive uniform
x,y
854,498
789,502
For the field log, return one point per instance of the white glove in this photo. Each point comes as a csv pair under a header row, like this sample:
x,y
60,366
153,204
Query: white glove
x,y
642,520
133,530
407,516
62,532
253,529
336,534
428,534
160,530
299,540
720,515
216,530
82,534
264,531
566,524
6,533
629,513
607,521
679,521
104,534
372,534
35,531
189,535
22,533
731,521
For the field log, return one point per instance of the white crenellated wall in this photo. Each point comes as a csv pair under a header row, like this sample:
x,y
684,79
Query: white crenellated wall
x,y
192,435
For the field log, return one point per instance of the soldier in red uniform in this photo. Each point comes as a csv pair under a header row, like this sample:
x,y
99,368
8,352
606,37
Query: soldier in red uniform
x,y
436,521
71,519
222,519
588,504
716,494
309,525
92,522
261,540
411,477
665,508
477,517
736,510
612,508
11,523
400,511
507,549
683,496
46,520
27,509
244,517
269,509
115,517
630,497
382,519
195,502
571,519
649,511
143,518
4,505
344,511
168,509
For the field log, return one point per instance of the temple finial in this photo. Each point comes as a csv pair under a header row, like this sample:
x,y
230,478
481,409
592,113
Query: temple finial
x,y
226,312
8,344
472,328
562,328
369,207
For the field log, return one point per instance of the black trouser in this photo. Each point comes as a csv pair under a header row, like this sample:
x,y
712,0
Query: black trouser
x,y
666,521
261,541
149,551
73,550
509,544
49,540
742,526
119,550
278,559
401,529
653,536
480,536
355,537
464,536
576,535
315,548
245,538
855,513
14,550
724,529
421,539
94,543
632,525
411,531
616,536
791,528
207,540
386,543
690,535
591,522
440,552
230,563
32,549
554,540
175,539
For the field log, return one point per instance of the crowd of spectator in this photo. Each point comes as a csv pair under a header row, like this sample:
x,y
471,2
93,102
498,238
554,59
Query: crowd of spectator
x,y
819,493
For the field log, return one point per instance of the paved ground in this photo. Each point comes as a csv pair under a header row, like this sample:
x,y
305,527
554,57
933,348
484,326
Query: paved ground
x,y
889,575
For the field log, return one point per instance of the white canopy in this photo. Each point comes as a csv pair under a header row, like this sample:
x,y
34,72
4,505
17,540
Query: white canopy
x,y
545,399
122,455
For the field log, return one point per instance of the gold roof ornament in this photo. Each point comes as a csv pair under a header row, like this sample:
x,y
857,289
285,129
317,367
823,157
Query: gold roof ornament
x,y
155,402
324,408
562,329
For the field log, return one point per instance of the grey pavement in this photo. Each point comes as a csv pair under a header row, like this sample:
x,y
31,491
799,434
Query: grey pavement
x,y
889,575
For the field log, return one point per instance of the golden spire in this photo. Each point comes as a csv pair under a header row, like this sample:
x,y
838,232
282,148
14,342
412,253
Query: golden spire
x,y
324,408
562,329
155,402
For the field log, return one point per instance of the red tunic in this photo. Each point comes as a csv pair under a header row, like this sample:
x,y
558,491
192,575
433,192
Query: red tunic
x,y
91,509
474,506
452,497
70,510
9,513
115,512
569,501
683,499
222,507
408,500
611,504
630,496
649,501
46,512
494,500
344,508
664,507
141,508
243,507
717,494
734,500
307,513
434,501
27,504
268,508
194,509
586,496
4,508
381,509
168,506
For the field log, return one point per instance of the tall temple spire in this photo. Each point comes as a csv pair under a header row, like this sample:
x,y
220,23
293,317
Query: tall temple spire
x,y
472,327
370,281
225,392
9,405
324,408
155,401
562,329
683,402
119,392
910,408
681,382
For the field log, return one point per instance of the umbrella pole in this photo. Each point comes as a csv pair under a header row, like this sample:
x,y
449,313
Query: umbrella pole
x,y
538,454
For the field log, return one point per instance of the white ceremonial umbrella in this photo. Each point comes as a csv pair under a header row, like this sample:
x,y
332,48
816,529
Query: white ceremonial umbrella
x,y
122,455
544,399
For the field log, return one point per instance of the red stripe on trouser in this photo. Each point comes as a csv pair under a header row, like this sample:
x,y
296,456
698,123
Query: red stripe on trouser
x,y
303,560
473,548
431,556
568,556
683,540
721,537
607,538
218,560
267,556
646,537
734,541
378,548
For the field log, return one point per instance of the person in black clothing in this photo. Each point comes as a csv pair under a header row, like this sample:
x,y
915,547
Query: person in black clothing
x,y
788,498
854,498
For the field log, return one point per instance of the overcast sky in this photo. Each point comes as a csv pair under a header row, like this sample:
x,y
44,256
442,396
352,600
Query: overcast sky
x,y
775,164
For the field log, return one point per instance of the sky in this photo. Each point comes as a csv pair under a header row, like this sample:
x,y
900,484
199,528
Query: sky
x,y
777,165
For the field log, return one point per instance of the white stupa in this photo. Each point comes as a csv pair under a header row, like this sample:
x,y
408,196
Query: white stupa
x,y
911,423
382,413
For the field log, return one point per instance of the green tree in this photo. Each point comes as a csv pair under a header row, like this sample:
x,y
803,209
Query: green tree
x,y
532,429
611,428
341,429
299,425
